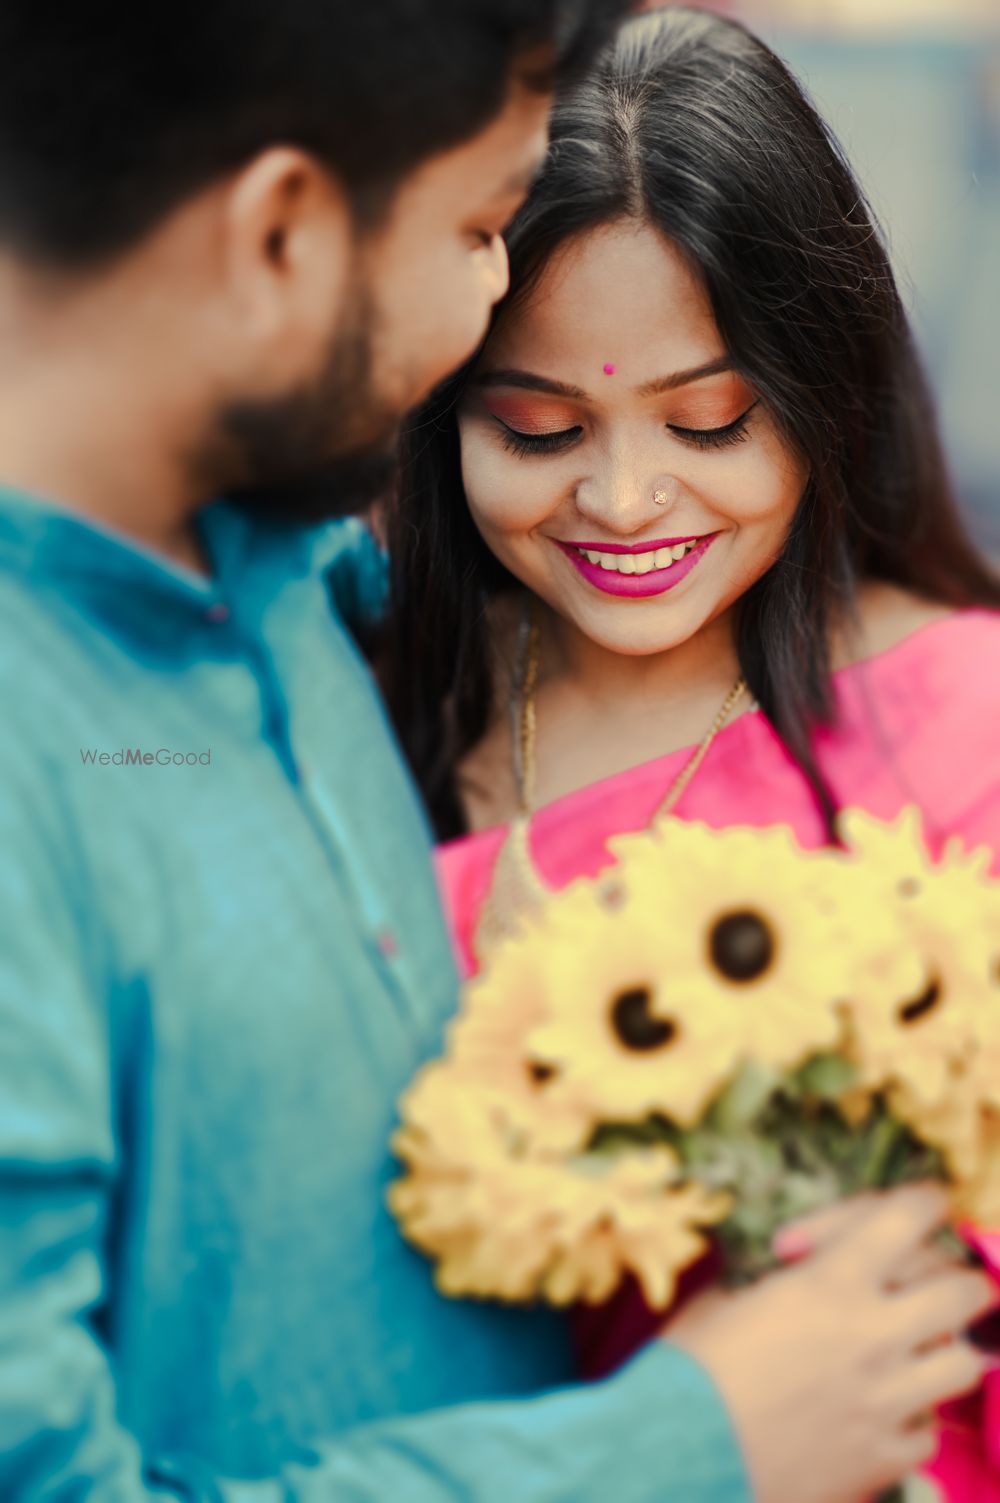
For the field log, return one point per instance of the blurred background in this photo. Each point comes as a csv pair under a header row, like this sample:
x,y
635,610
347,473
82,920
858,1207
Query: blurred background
x,y
912,88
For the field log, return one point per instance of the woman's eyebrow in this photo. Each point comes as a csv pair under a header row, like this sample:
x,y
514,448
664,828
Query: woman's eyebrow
x,y
528,381
716,367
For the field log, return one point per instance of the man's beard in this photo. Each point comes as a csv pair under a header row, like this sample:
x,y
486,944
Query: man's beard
x,y
327,450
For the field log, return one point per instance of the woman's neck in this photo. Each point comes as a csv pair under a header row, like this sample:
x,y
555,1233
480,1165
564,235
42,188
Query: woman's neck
x,y
703,667
599,712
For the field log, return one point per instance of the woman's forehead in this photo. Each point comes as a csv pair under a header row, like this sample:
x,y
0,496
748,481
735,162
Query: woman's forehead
x,y
620,296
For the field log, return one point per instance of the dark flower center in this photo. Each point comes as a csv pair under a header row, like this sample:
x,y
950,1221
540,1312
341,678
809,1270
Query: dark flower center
x,y
635,1024
919,1007
742,946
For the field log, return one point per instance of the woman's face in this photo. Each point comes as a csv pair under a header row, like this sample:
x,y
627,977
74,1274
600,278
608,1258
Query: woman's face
x,y
612,459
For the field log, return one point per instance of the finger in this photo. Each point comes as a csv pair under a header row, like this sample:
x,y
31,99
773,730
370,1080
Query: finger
x,y
807,1234
889,1228
910,1448
926,1382
942,1306
923,1263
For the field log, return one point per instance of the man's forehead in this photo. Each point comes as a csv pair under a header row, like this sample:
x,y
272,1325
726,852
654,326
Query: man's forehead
x,y
522,179
495,167
514,142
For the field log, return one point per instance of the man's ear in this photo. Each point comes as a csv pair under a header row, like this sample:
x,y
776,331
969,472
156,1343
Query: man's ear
x,y
289,250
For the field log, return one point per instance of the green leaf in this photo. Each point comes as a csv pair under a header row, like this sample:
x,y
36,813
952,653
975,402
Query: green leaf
x,y
827,1076
743,1100
620,1137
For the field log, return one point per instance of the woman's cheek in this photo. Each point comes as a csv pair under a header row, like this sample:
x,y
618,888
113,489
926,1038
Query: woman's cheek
x,y
755,489
774,481
505,499
763,499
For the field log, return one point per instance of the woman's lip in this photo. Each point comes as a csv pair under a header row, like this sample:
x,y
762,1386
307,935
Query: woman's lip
x,y
650,547
637,586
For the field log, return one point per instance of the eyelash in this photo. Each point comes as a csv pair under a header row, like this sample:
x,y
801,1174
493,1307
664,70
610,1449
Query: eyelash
x,y
527,444
536,443
716,438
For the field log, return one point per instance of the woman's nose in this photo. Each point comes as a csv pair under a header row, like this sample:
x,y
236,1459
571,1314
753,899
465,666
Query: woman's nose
x,y
626,500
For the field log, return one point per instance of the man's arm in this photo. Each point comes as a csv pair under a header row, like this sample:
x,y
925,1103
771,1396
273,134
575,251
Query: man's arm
x,y
655,1432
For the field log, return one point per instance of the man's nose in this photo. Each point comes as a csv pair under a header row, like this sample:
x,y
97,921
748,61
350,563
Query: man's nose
x,y
497,269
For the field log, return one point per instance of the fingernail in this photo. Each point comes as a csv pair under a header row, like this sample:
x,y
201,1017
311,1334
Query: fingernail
x,y
790,1244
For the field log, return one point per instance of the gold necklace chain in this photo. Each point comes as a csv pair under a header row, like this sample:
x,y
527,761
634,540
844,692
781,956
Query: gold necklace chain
x,y
516,886
527,726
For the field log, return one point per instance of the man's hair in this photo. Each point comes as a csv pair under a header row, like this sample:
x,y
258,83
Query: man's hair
x,y
112,113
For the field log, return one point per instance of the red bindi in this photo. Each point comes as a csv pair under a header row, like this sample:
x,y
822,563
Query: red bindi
x,y
609,369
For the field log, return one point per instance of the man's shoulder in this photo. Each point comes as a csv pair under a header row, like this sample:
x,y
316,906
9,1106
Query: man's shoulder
x,y
355,567
37,632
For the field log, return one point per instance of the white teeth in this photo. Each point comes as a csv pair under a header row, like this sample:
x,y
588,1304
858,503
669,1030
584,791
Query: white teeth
x,y
638,563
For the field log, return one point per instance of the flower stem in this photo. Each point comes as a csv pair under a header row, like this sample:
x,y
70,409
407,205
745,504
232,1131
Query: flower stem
x,y
881,1146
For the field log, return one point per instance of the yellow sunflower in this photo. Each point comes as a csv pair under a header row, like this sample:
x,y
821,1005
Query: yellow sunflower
x,y
610,1039
983,1068
967,1132
699,949
926,1010
977,1193
489,1040
506,1220
952,1125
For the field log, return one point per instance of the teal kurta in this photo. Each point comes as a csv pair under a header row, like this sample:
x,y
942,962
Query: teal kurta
x,y
221,959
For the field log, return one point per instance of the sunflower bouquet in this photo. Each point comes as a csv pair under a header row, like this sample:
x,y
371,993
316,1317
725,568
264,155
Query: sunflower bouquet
x,y
720,1034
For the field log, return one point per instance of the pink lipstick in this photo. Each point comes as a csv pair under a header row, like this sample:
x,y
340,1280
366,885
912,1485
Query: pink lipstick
x,y
632,585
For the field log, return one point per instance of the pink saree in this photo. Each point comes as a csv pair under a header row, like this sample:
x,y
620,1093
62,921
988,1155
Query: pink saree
x,y
917,724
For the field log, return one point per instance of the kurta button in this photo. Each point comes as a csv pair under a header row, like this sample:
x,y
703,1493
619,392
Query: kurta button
x,y
388,944
218,612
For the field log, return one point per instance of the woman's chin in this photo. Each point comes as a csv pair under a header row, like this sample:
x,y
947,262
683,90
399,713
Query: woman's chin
x,y
636,628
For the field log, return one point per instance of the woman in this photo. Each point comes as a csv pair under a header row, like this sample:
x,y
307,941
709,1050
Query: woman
x,y
687,513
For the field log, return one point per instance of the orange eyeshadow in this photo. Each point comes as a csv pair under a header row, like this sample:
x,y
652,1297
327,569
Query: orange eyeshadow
x,y
711,404
530,416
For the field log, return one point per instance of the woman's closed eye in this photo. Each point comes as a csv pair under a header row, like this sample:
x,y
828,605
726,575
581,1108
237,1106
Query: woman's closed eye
x,y
523,444
715,438
517,442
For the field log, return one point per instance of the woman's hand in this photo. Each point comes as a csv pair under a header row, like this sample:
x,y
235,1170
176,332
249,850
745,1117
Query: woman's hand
x,y
831,1369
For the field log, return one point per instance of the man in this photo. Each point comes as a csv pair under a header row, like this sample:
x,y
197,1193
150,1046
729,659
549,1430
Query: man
x,y
237,242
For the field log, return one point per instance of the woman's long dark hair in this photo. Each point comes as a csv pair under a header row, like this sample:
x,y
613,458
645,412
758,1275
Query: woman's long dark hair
x,y
691,125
